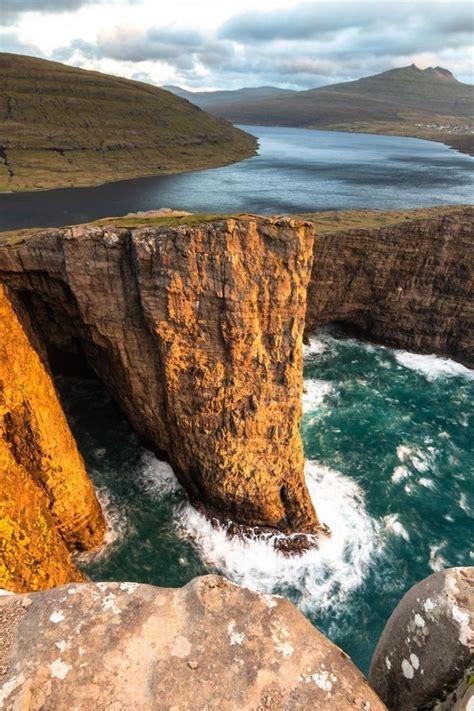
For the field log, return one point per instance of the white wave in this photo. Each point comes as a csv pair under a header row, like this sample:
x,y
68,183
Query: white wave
x,y
432,366
316,346
436,561
321,577
314,393
393,524
427,483
117,525
399,474
157,477
420,460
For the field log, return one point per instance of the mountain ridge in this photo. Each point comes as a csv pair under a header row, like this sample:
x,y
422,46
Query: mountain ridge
x,y
426,103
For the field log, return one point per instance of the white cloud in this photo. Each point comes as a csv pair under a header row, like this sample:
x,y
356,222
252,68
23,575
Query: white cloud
x,y
211,44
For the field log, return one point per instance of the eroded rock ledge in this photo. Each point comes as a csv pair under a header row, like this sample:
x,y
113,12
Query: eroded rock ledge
x,y
197,332
209,645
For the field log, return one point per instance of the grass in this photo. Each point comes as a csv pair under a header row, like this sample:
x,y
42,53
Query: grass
x,y
61,127
327,221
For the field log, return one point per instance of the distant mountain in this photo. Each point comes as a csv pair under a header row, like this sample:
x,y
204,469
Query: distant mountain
x,y
210,99
64,126
429,103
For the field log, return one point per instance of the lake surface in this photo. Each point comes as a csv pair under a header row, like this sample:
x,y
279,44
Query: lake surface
x,y
388,438
296,170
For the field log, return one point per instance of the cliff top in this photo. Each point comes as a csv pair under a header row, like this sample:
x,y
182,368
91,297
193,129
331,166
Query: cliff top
x,y
327,221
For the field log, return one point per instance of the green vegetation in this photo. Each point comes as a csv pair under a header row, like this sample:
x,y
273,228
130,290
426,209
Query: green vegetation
x,y
327,221
409,101
61,126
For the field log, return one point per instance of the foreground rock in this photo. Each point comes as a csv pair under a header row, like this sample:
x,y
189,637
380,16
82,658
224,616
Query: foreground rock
x,y
406,285
425,655
209,645
48,506
197,332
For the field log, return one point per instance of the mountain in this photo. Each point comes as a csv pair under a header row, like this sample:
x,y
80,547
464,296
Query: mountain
x,y
428,103
208,100
64,126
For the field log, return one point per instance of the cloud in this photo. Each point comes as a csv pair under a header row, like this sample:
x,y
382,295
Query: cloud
x,y
302,46
316,20
11,9
10,42
180,48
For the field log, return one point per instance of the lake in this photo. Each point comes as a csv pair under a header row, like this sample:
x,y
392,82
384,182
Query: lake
x,y
296,170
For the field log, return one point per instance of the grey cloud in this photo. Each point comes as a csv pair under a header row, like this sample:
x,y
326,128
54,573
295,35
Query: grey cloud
x,y
313,20
11,9
9,42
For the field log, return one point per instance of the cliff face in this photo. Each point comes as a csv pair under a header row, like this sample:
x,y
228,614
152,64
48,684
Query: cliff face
x,y
197,332
406,285
48,507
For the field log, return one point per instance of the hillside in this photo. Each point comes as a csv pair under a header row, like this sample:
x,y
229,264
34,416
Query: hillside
x,y
62,126
208,100
428,103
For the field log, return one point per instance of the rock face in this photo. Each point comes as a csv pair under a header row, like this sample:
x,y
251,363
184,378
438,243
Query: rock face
x,y
48,507
426,651
209,645
197,332
406,285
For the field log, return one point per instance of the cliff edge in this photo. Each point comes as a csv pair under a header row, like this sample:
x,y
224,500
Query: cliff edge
x,y
197,332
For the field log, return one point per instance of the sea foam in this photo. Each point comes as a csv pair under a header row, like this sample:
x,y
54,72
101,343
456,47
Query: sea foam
x,y
432,366
320,578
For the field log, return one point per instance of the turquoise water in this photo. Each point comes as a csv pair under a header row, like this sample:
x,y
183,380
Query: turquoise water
x,y
389,442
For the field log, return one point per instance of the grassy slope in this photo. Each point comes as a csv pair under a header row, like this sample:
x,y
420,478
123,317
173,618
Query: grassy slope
x,y
327,221
208,99
63,126
391,103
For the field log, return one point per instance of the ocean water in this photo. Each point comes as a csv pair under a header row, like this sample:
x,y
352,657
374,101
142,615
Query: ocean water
x,y
296,170
388,438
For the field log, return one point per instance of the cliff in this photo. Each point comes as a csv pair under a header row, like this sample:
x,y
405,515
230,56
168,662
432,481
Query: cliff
x,y
48,507
209,645
197,332
407,285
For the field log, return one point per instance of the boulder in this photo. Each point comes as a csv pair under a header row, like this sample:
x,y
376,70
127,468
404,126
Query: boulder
x,y
425,656
209,645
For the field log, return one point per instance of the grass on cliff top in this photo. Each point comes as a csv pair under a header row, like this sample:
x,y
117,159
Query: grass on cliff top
x,y
328,221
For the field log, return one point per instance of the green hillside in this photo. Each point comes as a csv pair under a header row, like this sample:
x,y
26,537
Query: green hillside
x,y
62,126
428,103
209,99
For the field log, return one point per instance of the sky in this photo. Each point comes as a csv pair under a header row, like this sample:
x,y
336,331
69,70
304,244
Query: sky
x,y
227,44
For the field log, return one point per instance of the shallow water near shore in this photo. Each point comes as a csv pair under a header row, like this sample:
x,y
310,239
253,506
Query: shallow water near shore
x,y
296,170
389,444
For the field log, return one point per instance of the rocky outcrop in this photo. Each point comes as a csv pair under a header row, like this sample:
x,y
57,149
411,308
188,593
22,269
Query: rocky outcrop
x,y
425,656
197,332
209,645
48,507
407,285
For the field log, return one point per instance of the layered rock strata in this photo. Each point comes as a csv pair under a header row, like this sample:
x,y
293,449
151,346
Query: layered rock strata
x,y
197,332
408,285
48,506
209,645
